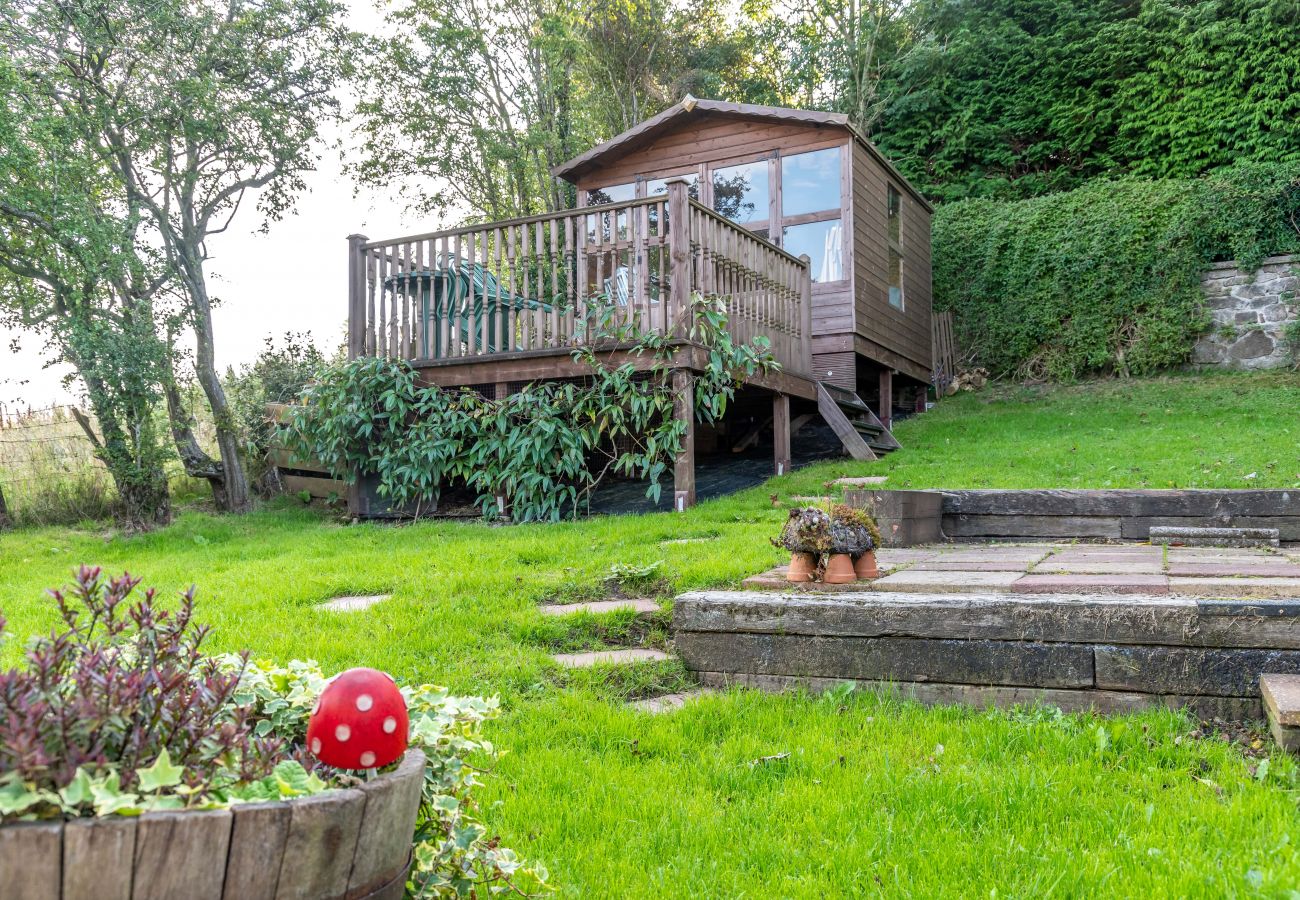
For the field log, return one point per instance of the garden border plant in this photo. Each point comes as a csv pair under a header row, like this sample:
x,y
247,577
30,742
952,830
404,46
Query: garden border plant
x,y
122,714
544,449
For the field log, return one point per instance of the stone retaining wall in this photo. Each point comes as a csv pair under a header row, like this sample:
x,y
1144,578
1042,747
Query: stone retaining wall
x,y
1108,653
1251,312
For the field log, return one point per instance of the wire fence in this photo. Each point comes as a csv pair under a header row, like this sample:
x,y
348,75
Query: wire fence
x,y
48,469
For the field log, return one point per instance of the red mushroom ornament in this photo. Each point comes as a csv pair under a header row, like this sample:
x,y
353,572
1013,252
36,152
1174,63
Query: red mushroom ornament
x,y
359,722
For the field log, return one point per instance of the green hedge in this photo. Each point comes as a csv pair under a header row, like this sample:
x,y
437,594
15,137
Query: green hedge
x,y
1104,278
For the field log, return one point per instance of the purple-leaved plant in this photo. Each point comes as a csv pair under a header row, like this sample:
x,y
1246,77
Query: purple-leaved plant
x,y
122,683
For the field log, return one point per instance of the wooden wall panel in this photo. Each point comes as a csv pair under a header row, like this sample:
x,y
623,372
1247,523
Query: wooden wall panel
x,y
710,139
836,368
905,335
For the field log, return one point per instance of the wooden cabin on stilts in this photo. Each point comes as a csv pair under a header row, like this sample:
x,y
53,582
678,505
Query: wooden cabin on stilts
x,y
790,217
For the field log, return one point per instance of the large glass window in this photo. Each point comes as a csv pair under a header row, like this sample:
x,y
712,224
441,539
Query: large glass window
x,y
894,230
741,192
823,242
657,186
614,193
810,182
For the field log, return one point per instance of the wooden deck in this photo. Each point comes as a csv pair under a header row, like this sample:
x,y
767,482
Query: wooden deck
x,y
533,288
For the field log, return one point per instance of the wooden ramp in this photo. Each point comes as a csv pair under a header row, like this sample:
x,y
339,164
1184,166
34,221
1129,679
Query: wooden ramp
x,y
863,434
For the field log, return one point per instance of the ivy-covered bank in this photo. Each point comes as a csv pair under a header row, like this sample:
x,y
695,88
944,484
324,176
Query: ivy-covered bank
x,y
1105,278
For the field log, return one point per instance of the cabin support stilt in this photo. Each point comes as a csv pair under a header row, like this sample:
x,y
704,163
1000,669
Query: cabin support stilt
x,y
781,433
886,414
684,466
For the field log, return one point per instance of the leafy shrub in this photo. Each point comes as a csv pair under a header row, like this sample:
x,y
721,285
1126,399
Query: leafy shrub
x,y
1105,278
121,713
545,448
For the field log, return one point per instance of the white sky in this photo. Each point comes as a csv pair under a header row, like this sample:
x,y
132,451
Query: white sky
x,y
292,278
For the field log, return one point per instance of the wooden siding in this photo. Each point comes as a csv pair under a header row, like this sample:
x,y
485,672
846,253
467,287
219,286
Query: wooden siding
x,y
714,138
850,316
905,332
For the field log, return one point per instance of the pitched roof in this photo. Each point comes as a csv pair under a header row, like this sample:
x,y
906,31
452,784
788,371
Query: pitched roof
x,y
690,107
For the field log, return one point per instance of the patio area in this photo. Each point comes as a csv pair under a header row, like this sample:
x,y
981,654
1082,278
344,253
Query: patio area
x,y
1053,568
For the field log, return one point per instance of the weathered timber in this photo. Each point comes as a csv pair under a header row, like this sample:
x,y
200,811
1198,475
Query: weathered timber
x,y
257,841
162,840
1135,503
981,695
30,861
906,518
902,659
384,841
684,463
1067,618
97,858
1194,536
831,413
1023,526
1219,672
318,851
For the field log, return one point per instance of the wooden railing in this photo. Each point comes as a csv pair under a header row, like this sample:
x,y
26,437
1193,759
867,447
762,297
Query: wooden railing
x,y
540,282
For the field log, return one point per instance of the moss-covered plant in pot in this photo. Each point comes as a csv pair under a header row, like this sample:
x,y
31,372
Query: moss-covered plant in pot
x,y
807,535
132,763
855,534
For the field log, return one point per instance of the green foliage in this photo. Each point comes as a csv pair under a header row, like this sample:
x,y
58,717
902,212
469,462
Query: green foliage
x,y
1105,278
1005,98
544,449
454,854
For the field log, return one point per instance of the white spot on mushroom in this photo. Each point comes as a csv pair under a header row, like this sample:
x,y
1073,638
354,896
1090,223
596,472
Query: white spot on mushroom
x,y
315,745
367,759
390,725
342,732
364,702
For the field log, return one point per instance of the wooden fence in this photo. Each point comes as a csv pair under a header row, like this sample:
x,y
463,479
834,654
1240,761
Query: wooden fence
x,y
556,280
945,351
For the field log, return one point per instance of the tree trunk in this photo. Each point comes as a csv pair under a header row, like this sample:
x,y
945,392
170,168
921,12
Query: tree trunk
x,y
235,497
141,484
194,460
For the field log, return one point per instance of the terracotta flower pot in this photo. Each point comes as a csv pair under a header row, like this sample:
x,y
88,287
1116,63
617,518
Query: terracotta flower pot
x,y
803,566
865,566
839,570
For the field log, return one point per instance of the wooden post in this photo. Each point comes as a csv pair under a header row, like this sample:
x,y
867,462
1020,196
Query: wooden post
x,y
781,433
684,465
356,296
886,397
805,312
679,258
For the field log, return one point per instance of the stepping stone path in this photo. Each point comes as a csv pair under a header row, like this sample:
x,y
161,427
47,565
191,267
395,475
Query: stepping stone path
x,y
614,657
865,481
642,607
352,604
666,703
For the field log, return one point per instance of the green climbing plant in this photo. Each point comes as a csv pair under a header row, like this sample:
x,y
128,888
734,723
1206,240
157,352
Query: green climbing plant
x,y
542,450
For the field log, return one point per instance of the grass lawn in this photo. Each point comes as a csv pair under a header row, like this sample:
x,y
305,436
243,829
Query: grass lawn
x,y
874,797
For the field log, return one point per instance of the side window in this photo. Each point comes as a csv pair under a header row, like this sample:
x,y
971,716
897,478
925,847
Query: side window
x,y
894,231
810,203
614,193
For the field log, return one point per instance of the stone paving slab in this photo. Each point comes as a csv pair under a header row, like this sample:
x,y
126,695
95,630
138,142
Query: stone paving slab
x,y
1282,697
945,582
599,606
1114,567
901,556
1276,588
774,580
940,564
352,604
667,702
1091,583
1234,570
614,657
864,481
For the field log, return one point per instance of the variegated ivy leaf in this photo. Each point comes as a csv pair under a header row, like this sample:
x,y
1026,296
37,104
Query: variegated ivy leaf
x,y
162,774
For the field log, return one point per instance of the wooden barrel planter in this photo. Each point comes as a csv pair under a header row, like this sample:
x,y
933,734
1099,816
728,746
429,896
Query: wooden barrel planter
x,y
340,845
